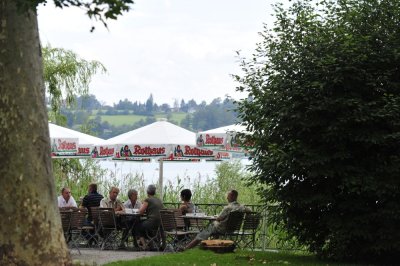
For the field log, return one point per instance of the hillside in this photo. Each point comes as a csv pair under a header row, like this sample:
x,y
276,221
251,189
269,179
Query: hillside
x,y
109,121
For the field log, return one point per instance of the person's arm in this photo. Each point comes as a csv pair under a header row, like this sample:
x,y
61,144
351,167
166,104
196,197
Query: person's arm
x,y
103,204
59,202
84,202
224,213
73,202
143,209
120,206
183,208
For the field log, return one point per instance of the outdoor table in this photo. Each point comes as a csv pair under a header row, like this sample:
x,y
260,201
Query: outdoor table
x,y
127,221
199,219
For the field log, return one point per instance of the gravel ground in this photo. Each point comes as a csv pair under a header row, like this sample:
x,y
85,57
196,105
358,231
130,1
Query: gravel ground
x,y
100,257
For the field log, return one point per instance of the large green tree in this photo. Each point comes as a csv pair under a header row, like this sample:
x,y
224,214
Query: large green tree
x,y
324,106
30,227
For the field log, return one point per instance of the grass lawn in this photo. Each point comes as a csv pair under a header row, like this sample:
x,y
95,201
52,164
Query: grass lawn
x,y
178,116
119,120
202,257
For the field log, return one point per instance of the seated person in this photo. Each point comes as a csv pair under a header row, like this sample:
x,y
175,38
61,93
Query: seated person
x,y
65,200
92,199
152,206
220,224
112,201
132,202
186,206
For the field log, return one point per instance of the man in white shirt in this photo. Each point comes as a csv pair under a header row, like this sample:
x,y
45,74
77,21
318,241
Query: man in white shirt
x,y
66,200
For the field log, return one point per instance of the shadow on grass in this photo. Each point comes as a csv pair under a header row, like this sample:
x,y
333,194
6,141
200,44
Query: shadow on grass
x,y
203,257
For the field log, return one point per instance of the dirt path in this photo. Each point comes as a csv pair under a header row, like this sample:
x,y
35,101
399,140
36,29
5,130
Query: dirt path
x,y
100,257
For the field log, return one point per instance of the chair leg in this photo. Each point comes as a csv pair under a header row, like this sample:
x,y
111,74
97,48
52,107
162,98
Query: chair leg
x,y
156,240
74,241
110,240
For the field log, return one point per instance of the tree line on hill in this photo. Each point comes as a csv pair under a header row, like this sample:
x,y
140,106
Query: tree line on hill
x,y
88,111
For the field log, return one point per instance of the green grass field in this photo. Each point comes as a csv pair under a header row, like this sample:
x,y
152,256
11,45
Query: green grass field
x,y
202,257
118,120
178,117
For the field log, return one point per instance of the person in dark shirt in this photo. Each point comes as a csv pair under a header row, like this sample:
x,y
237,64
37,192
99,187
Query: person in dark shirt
x,y
92,199
187,206
152,206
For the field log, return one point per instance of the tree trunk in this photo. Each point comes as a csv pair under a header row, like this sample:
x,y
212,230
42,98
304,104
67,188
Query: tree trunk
x,y
30,225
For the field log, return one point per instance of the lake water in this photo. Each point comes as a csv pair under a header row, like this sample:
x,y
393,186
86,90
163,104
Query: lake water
x,y
171,170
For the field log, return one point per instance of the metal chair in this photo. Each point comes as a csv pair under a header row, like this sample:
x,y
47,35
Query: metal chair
x,y
66,224
108,228
250,226
175,236
77,227
180,222
156,240
94,235
233,225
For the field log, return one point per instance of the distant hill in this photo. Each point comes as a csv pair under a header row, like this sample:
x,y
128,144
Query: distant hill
x,y
109,121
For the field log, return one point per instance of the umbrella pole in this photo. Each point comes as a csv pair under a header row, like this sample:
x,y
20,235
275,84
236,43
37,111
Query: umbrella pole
x,y
160,178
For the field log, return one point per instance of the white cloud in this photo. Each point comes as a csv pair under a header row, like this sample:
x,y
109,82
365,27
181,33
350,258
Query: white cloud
x,y
172,49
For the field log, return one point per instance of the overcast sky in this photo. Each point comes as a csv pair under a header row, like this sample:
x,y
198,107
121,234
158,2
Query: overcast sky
x,y
174,49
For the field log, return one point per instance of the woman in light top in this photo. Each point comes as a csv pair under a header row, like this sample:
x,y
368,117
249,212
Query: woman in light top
x,y
132,202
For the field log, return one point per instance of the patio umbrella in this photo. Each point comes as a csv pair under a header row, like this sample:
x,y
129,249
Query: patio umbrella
x,y
68,143
160,140
224,140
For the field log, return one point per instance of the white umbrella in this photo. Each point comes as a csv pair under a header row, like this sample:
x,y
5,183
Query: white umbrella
x,y
66,142
157,133
224,140
158,140
161,140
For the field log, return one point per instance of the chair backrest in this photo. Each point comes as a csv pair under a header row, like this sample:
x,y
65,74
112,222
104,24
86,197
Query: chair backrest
x,y
234,221
65,220
180,222
251,221
95,214
107,218
168,222
78,218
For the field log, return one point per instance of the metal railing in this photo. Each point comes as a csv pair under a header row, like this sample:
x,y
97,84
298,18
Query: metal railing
x,y
269,236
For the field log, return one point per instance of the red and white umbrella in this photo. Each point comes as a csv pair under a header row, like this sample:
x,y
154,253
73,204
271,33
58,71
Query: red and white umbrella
x,y
68,143
160,140
224,141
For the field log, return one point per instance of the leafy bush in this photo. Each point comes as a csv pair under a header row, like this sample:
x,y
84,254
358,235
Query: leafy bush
x,y
324,106
77,175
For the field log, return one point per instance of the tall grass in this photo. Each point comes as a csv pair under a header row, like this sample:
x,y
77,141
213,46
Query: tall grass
x,y
78,174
